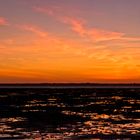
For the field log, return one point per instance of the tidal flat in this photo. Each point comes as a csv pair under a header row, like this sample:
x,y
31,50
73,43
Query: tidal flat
x,y
69,113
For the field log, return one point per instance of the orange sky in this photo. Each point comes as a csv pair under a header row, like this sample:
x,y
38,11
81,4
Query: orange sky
x,y
43,41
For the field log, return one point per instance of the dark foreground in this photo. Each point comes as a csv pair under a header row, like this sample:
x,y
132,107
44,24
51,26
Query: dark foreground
x,y
45,114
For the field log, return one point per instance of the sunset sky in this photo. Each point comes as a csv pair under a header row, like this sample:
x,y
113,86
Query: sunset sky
x,y
69,41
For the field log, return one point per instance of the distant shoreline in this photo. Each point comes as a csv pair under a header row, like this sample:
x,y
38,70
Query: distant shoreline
x,y
68,85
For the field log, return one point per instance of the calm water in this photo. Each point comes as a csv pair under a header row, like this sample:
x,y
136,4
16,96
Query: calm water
x,y
57,114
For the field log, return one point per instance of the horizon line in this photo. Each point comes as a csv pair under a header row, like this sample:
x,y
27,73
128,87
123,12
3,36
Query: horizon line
x,y
70,83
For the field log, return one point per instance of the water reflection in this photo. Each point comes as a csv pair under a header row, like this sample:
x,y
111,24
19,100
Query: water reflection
x,y
70,114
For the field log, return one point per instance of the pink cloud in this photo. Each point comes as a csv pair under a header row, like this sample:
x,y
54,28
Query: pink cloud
x,y
103,35
3,21
79,27
34,30
54,10
93,34
76,26
96,34
47,11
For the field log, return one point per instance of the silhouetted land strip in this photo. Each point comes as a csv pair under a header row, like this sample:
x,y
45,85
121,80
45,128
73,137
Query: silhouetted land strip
x,y
70,85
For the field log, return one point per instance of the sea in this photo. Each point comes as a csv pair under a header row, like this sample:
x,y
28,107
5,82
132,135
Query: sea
x,y
70,113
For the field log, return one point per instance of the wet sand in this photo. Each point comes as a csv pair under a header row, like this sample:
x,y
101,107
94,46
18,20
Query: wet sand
x,y
69,113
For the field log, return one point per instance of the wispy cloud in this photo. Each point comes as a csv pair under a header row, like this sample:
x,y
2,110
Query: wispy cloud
x,y
93,34
3,21
46,10
96,34
99,53
34,30
78,26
